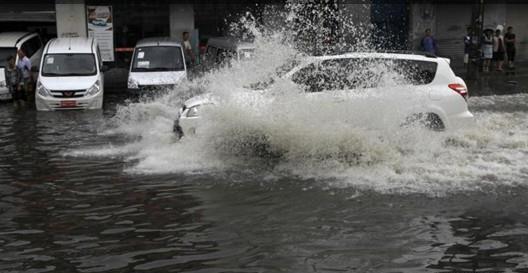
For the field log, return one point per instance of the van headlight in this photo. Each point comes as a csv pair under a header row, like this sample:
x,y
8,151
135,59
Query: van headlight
x,y
3,84
132,84
193,111
42,90
94,89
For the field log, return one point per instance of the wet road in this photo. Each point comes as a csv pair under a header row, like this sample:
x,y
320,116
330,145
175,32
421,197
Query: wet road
x,y
60,213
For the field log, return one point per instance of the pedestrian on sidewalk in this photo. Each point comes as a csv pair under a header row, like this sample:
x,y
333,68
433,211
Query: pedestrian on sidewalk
x,y
429,43
13,76
509,40
499,50
487,49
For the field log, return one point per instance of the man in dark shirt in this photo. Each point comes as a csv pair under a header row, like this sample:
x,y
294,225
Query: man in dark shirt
x,y
509,40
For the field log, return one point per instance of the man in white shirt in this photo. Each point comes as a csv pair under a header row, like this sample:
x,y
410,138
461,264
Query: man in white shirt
x,y
187,49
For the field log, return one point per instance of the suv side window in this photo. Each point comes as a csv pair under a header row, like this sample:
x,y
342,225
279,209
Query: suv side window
x,y
357,73
31,46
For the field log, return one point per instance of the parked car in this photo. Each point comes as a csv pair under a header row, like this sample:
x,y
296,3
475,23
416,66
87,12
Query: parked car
x,y
444,95
70,75
222,49
156,63
10,42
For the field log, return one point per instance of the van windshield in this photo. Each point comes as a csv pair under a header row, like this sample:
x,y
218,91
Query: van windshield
x,y
158,58
5,52
60,65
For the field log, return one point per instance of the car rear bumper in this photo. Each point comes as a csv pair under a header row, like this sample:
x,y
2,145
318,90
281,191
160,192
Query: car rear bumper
x,y
462,120
52,104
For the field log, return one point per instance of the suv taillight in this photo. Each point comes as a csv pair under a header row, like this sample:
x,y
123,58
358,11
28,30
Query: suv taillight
x,y
460,89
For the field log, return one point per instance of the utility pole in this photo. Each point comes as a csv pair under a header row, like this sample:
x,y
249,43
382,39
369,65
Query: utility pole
x,y
477,25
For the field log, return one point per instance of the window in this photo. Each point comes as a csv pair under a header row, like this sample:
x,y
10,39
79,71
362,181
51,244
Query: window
x,y
6,52
158,58
61,65
358,73
31,46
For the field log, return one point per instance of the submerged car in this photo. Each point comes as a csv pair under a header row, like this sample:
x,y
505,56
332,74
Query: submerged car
x,y
70,75
443,95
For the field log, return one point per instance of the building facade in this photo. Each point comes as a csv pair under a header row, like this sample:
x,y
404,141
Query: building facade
x,y
396,24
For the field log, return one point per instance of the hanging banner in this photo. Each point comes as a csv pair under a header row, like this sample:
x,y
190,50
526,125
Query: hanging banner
x,y
101,27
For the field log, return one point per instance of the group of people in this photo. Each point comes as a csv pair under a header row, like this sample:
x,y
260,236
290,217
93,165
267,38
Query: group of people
x,y
496,47
493,47
19,79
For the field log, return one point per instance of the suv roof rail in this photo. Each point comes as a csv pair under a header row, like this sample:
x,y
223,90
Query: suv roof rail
x,y
410,52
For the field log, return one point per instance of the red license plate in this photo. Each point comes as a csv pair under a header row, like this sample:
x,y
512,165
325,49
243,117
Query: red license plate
x,y
68,103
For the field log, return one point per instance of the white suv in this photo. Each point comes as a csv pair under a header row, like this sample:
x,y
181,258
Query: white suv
x,y
443,95
10,43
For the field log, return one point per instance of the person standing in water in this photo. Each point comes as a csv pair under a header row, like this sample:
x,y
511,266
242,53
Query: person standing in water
x,y
509,40
24,64
187,49
14,79
487,50
499,50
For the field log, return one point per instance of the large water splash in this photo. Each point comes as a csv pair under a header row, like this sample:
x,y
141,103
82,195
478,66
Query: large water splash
x,y
350,142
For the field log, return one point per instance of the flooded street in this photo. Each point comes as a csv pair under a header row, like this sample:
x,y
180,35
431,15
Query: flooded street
x,y
86,213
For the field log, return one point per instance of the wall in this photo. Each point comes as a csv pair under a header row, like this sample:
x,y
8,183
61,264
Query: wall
x,y
71,18
452,21
181,19
421,17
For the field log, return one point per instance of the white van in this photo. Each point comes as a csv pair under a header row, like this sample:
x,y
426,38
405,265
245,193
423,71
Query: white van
x,y
10,42
70,75
156,63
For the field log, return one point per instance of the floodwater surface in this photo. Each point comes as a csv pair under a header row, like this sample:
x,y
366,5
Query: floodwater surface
x,y
63,209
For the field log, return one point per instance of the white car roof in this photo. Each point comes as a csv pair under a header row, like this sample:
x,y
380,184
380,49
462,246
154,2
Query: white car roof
x,y
229,43
158,41
70,45
383,55
11,39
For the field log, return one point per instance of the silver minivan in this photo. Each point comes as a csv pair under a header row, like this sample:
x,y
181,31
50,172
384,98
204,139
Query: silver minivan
x,y
156,63
222,49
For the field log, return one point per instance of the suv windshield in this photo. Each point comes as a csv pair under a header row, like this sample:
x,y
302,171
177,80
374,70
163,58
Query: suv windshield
x,y
58,65
158,58
6,52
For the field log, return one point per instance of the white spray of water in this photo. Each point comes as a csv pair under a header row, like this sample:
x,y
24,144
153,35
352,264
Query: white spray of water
x,y
351,142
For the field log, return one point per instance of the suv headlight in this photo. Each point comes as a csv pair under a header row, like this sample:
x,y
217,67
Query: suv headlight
x,y
94,89
42,90
132,84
